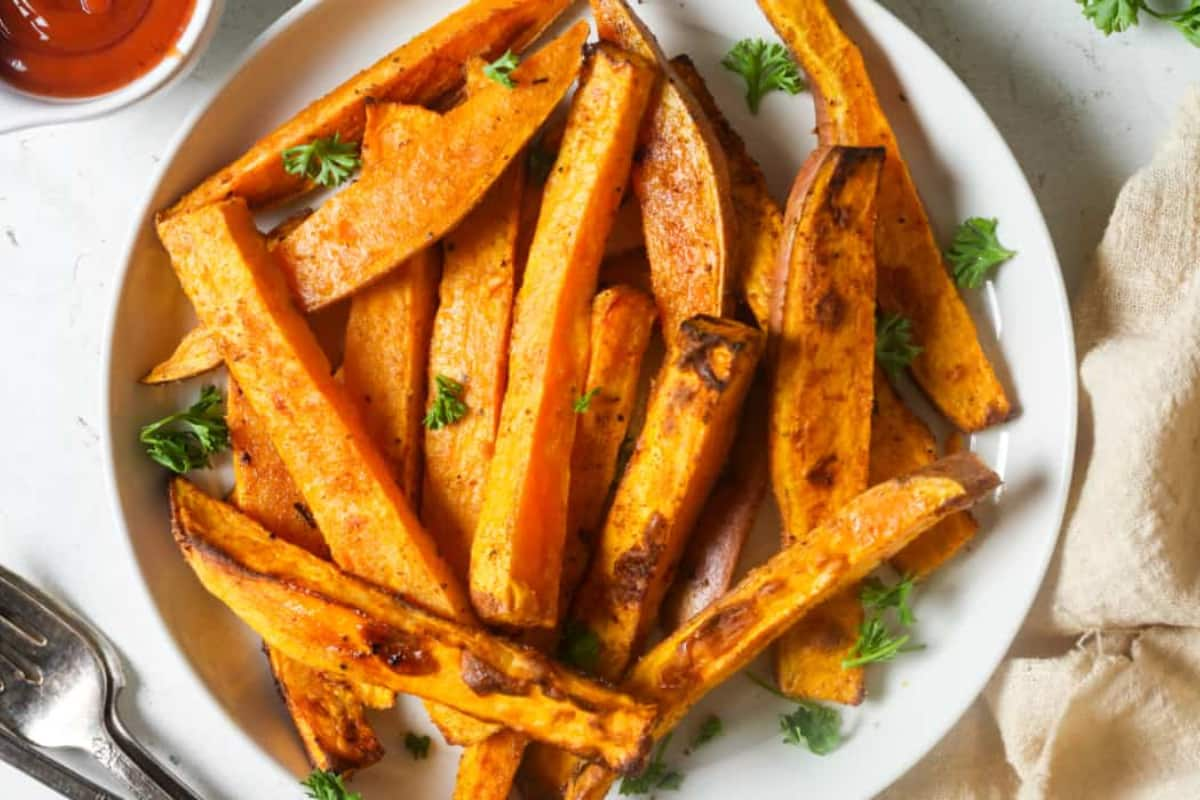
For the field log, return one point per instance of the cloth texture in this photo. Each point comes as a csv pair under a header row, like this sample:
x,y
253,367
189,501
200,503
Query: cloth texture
x,y
1100,695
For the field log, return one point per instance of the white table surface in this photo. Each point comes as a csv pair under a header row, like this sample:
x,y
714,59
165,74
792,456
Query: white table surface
x,y
1081,113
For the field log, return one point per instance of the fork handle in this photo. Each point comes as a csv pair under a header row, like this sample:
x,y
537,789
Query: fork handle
x,y
120,753
49,772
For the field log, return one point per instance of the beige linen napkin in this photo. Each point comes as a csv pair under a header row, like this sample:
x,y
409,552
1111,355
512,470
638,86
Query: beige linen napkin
x,y
1100,697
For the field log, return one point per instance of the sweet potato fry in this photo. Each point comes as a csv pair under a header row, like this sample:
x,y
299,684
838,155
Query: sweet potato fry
x,y
682,184
823,324
195,355
901,442
224,266
516,555
622,320
418,72
706,571
730,633
470,345
313,612
627,234
241,297
913,281
387,354
432,169
328,714
689,428
262,487
759,215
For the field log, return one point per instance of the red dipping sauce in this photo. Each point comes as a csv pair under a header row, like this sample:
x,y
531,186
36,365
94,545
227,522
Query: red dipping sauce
x,y
82,48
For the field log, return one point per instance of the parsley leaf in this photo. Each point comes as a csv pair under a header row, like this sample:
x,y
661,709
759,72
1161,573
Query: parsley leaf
x,y
1188,23
976,251
894,349
818,726
328,161
417,746
709,729
765,67
448,407
322,785
580,647
812,724
584,403
501,69
656,775
1112,16
878,596
187,440
876,644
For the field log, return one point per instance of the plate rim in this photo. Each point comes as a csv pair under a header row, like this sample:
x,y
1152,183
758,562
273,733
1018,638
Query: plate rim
x,y
920,746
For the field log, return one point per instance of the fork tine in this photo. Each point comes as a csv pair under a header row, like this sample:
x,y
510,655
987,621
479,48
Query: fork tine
x,y
16,662
29,611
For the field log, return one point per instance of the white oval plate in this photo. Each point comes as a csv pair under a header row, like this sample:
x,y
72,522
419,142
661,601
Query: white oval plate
x,y
968,613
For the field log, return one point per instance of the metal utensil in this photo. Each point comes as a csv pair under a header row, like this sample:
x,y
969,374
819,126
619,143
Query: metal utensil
x,y
59,681
48,772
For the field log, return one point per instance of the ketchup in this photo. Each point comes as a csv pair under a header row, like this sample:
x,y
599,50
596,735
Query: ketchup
x,y
82,48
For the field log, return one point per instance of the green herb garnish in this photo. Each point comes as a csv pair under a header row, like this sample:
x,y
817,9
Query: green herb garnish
x,y
188,440
327,161
584,403
501,69
579,647
894,349
812,724
766,67
976,251
656,775
417,746
448,407
879,597
1118,16
322,785
876,644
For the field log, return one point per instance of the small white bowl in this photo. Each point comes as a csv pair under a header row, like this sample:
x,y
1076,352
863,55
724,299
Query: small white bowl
x,y
19,110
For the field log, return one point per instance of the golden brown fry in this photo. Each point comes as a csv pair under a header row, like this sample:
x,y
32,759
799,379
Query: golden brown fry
x,y
224,266
262,487
431,171
327,712
682,184
689,428
823,324
516,555
195,355
759,215
706,571
470,345
328,715
627,235
313,612
901,442
387,354
622,319
418,72
730,633
240,296
913,281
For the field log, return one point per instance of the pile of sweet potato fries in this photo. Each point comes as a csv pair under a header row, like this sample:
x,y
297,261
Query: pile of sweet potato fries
x,y
423,507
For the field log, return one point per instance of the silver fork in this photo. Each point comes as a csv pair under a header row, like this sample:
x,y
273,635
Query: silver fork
x,y
59,682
